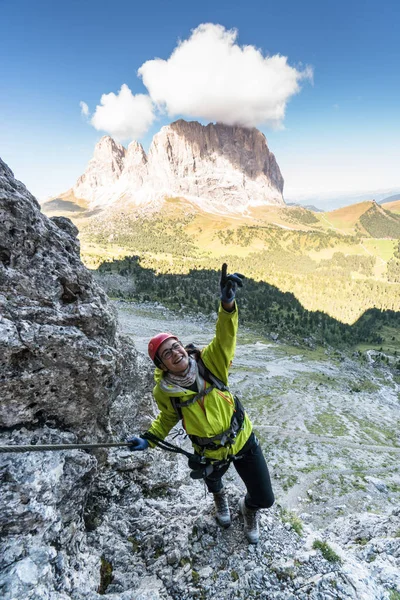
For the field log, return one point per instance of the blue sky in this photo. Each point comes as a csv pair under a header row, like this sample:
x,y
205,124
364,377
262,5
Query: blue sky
x,y
340,132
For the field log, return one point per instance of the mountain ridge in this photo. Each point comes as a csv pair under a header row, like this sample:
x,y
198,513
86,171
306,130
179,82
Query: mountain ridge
x,y
220,168
390,199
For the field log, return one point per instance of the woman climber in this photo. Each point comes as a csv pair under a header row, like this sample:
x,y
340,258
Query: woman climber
x,y
192,386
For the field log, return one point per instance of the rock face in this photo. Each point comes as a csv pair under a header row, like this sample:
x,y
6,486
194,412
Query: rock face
x,y
63,371
219,167
103,170
57,330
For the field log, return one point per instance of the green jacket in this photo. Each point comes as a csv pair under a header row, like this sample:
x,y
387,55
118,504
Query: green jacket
x,y
211,415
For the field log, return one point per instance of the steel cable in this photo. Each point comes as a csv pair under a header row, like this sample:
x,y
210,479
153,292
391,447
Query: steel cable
x,y
51,447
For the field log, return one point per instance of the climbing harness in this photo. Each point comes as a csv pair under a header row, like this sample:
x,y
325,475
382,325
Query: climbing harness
x,y
226,438
200,466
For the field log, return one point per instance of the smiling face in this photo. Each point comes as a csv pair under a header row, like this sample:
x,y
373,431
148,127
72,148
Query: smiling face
x,y
174,357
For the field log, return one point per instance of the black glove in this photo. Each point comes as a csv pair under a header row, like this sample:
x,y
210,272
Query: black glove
x,y
137,443
229,284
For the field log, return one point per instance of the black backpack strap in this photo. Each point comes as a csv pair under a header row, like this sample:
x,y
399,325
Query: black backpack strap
x,y
195,352
210,377
176,406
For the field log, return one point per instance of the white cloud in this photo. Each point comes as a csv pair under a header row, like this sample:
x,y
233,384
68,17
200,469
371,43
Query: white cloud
x,y
84,109
123,115
208,76
211,77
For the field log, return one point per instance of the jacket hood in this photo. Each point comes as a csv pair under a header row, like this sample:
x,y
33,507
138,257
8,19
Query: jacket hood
x,y
158,375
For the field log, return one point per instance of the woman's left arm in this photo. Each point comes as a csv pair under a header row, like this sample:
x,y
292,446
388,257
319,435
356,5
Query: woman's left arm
x,y
218,355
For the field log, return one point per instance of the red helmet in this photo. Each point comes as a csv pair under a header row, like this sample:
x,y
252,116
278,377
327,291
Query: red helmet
x,y
156,342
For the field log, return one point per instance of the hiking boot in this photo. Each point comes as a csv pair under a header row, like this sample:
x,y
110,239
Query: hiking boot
x,y
223,514
250,518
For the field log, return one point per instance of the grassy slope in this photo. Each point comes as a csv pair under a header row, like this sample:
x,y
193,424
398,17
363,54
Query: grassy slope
x,y
204,228
346,219
315,256
393,206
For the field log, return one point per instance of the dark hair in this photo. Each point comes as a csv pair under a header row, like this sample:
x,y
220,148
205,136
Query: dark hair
x,y
157,361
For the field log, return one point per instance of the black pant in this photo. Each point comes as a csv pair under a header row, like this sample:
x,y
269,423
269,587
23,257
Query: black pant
x,y
252,469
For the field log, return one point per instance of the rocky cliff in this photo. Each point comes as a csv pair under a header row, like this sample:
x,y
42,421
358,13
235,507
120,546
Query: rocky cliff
x,y
58,333
103,171
63,371
219,167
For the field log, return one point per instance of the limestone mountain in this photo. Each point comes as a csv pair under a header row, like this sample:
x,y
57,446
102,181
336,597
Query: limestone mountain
x,y
103,170
220,168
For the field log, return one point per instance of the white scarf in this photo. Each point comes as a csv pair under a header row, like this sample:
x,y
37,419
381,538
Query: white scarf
x,y
185,380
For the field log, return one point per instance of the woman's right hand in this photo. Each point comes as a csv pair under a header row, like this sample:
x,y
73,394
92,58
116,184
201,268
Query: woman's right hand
x,y
137,443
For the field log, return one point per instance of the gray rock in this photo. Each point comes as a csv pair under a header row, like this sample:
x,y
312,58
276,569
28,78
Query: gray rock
x,y
380,485
57,330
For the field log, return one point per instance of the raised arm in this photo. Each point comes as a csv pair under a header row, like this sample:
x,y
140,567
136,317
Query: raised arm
x,y
229,285
218,355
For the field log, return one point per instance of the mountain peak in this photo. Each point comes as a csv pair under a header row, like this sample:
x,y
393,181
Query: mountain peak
x,y
222,168
105,139
107,145
103,170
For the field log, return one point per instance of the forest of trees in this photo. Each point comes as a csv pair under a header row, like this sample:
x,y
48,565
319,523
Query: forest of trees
x,y
141,235
381,223
393,268
275,237
260,303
